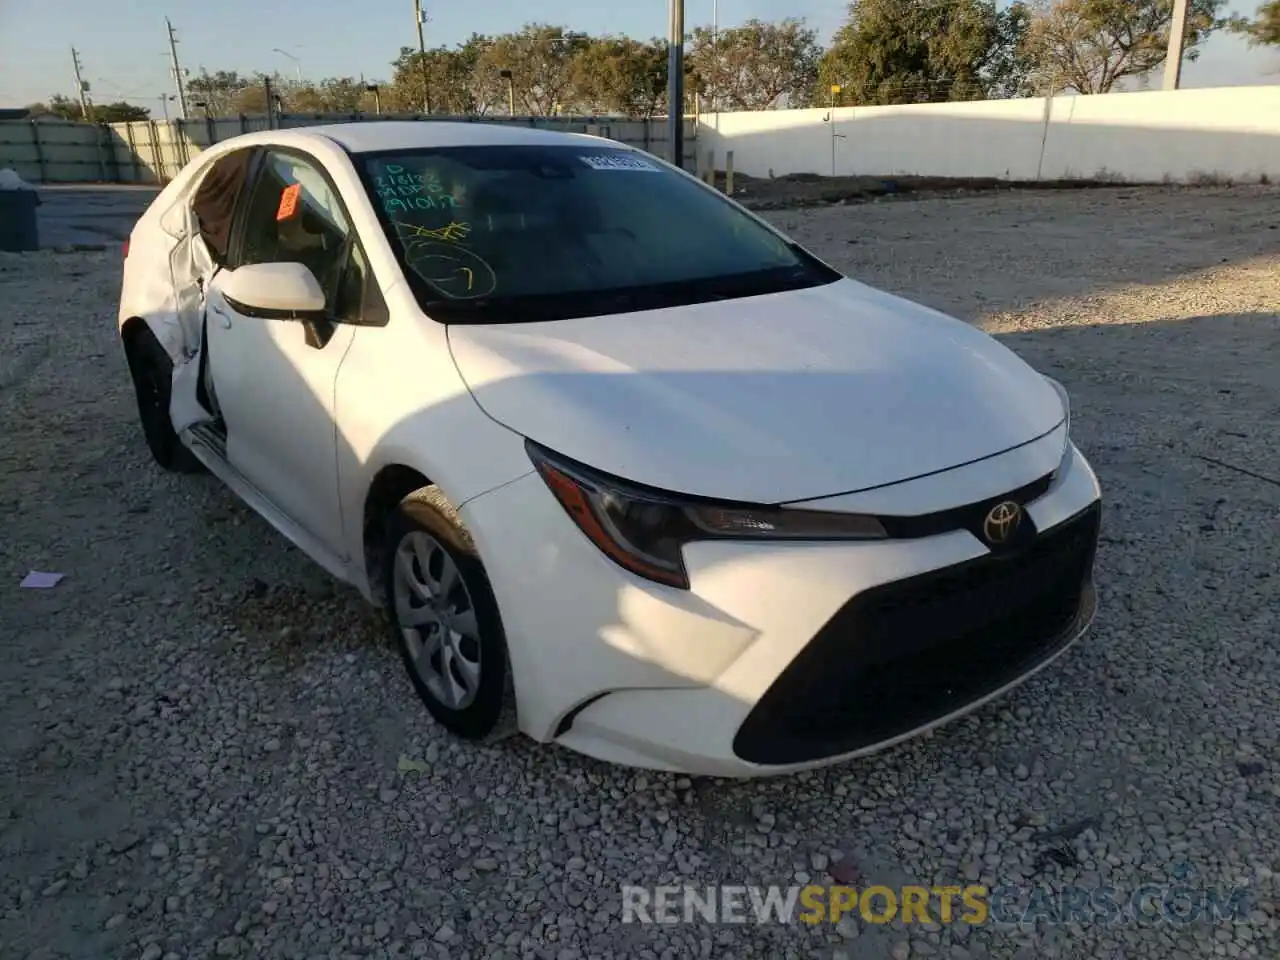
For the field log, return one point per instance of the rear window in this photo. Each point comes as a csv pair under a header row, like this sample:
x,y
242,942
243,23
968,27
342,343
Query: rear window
x,y
510,233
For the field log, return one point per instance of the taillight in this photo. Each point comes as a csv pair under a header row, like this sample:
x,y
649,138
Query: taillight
x,y
126,250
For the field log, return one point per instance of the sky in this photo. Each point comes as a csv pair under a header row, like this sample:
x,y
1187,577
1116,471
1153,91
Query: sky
x,y
124,54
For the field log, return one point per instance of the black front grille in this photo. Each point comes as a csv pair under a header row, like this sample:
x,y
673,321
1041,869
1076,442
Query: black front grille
x,y
902,655
968,517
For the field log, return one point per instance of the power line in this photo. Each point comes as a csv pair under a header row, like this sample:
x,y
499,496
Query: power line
x,y
122,93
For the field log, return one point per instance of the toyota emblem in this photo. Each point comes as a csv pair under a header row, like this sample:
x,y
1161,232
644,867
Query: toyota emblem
x,y
1002,522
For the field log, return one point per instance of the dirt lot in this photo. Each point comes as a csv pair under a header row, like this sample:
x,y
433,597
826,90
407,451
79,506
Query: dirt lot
x,y
90,216
811,190
203,736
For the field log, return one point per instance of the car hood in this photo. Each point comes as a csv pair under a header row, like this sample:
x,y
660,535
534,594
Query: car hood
x,y
769,399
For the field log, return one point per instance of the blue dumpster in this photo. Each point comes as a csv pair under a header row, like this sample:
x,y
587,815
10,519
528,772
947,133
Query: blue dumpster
x,y
18,229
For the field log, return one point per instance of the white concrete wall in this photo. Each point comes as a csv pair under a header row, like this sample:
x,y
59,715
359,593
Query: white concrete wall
x,y
1180,135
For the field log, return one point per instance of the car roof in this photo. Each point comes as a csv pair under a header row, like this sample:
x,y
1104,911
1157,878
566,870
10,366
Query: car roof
x,y
378,135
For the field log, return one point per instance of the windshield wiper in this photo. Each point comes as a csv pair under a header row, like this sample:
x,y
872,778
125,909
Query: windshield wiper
x,y
758,283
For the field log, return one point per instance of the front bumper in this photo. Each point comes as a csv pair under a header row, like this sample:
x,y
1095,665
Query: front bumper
x,y
781,656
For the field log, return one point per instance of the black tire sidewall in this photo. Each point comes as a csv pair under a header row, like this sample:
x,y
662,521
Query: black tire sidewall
x,y
481,716
152,371
148,385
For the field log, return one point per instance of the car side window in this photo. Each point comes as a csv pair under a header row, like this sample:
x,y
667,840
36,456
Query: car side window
x,y
293,216
215,201
348,306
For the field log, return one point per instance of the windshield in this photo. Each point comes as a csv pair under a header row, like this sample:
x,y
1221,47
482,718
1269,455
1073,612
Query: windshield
x,y
503,234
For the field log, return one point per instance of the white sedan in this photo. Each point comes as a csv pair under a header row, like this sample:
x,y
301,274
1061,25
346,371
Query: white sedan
x,y
628,469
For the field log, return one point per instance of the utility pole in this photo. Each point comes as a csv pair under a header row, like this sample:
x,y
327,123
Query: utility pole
x,y
1177,39
511,91
831,116
715,51
177,70
675,83
82,88
268,91
377,95
420,16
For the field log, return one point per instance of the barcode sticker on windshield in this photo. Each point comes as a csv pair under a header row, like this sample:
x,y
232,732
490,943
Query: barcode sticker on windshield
x,y
618,161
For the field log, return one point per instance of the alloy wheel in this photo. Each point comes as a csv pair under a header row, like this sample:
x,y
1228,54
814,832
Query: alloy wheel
x,y
435,614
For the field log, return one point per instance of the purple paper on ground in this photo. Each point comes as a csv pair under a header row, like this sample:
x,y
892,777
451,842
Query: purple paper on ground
x,y
36,580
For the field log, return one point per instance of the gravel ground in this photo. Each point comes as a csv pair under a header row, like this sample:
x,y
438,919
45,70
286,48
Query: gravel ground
x,y
204,737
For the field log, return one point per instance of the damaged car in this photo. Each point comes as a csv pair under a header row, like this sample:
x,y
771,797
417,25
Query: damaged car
x,y
628,469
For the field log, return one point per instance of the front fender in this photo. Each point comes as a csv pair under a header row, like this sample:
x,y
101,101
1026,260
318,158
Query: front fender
x,y
454,445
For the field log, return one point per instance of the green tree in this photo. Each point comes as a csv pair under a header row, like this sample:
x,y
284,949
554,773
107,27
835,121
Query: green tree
x,y
1264,28
331,95
468,80
119,112
452,79
219,92
619,75
1010,70
541,59
60,106
251,98
755,66
1091,45
906,51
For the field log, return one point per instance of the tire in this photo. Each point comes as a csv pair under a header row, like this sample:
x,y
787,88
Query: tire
x,y
465,650
152,373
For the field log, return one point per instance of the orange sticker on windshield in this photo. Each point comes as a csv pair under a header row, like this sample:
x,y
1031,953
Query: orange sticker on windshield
x,y
288,201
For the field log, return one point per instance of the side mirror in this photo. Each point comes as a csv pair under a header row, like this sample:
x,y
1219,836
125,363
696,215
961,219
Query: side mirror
x,y
274,291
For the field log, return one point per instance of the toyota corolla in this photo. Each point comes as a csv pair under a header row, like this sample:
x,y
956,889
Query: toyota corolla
x,y
628,469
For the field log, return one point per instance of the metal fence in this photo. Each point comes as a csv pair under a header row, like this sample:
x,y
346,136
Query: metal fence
x,y
153,151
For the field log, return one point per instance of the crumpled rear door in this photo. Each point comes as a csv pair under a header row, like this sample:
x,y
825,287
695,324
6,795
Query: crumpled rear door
x,y
201,226
192,268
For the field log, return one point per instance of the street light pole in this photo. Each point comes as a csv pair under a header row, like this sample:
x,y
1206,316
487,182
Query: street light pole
x,y
297,64
675,83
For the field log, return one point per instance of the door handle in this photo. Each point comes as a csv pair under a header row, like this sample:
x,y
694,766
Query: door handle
x,y
223,317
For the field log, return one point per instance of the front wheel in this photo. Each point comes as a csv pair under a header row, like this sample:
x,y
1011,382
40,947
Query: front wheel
x,y
444,618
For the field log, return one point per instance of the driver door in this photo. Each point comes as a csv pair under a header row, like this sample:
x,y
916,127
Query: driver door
x,y
274,380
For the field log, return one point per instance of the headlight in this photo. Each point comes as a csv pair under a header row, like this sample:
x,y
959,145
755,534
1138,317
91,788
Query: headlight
x,y
1066,413
644,531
